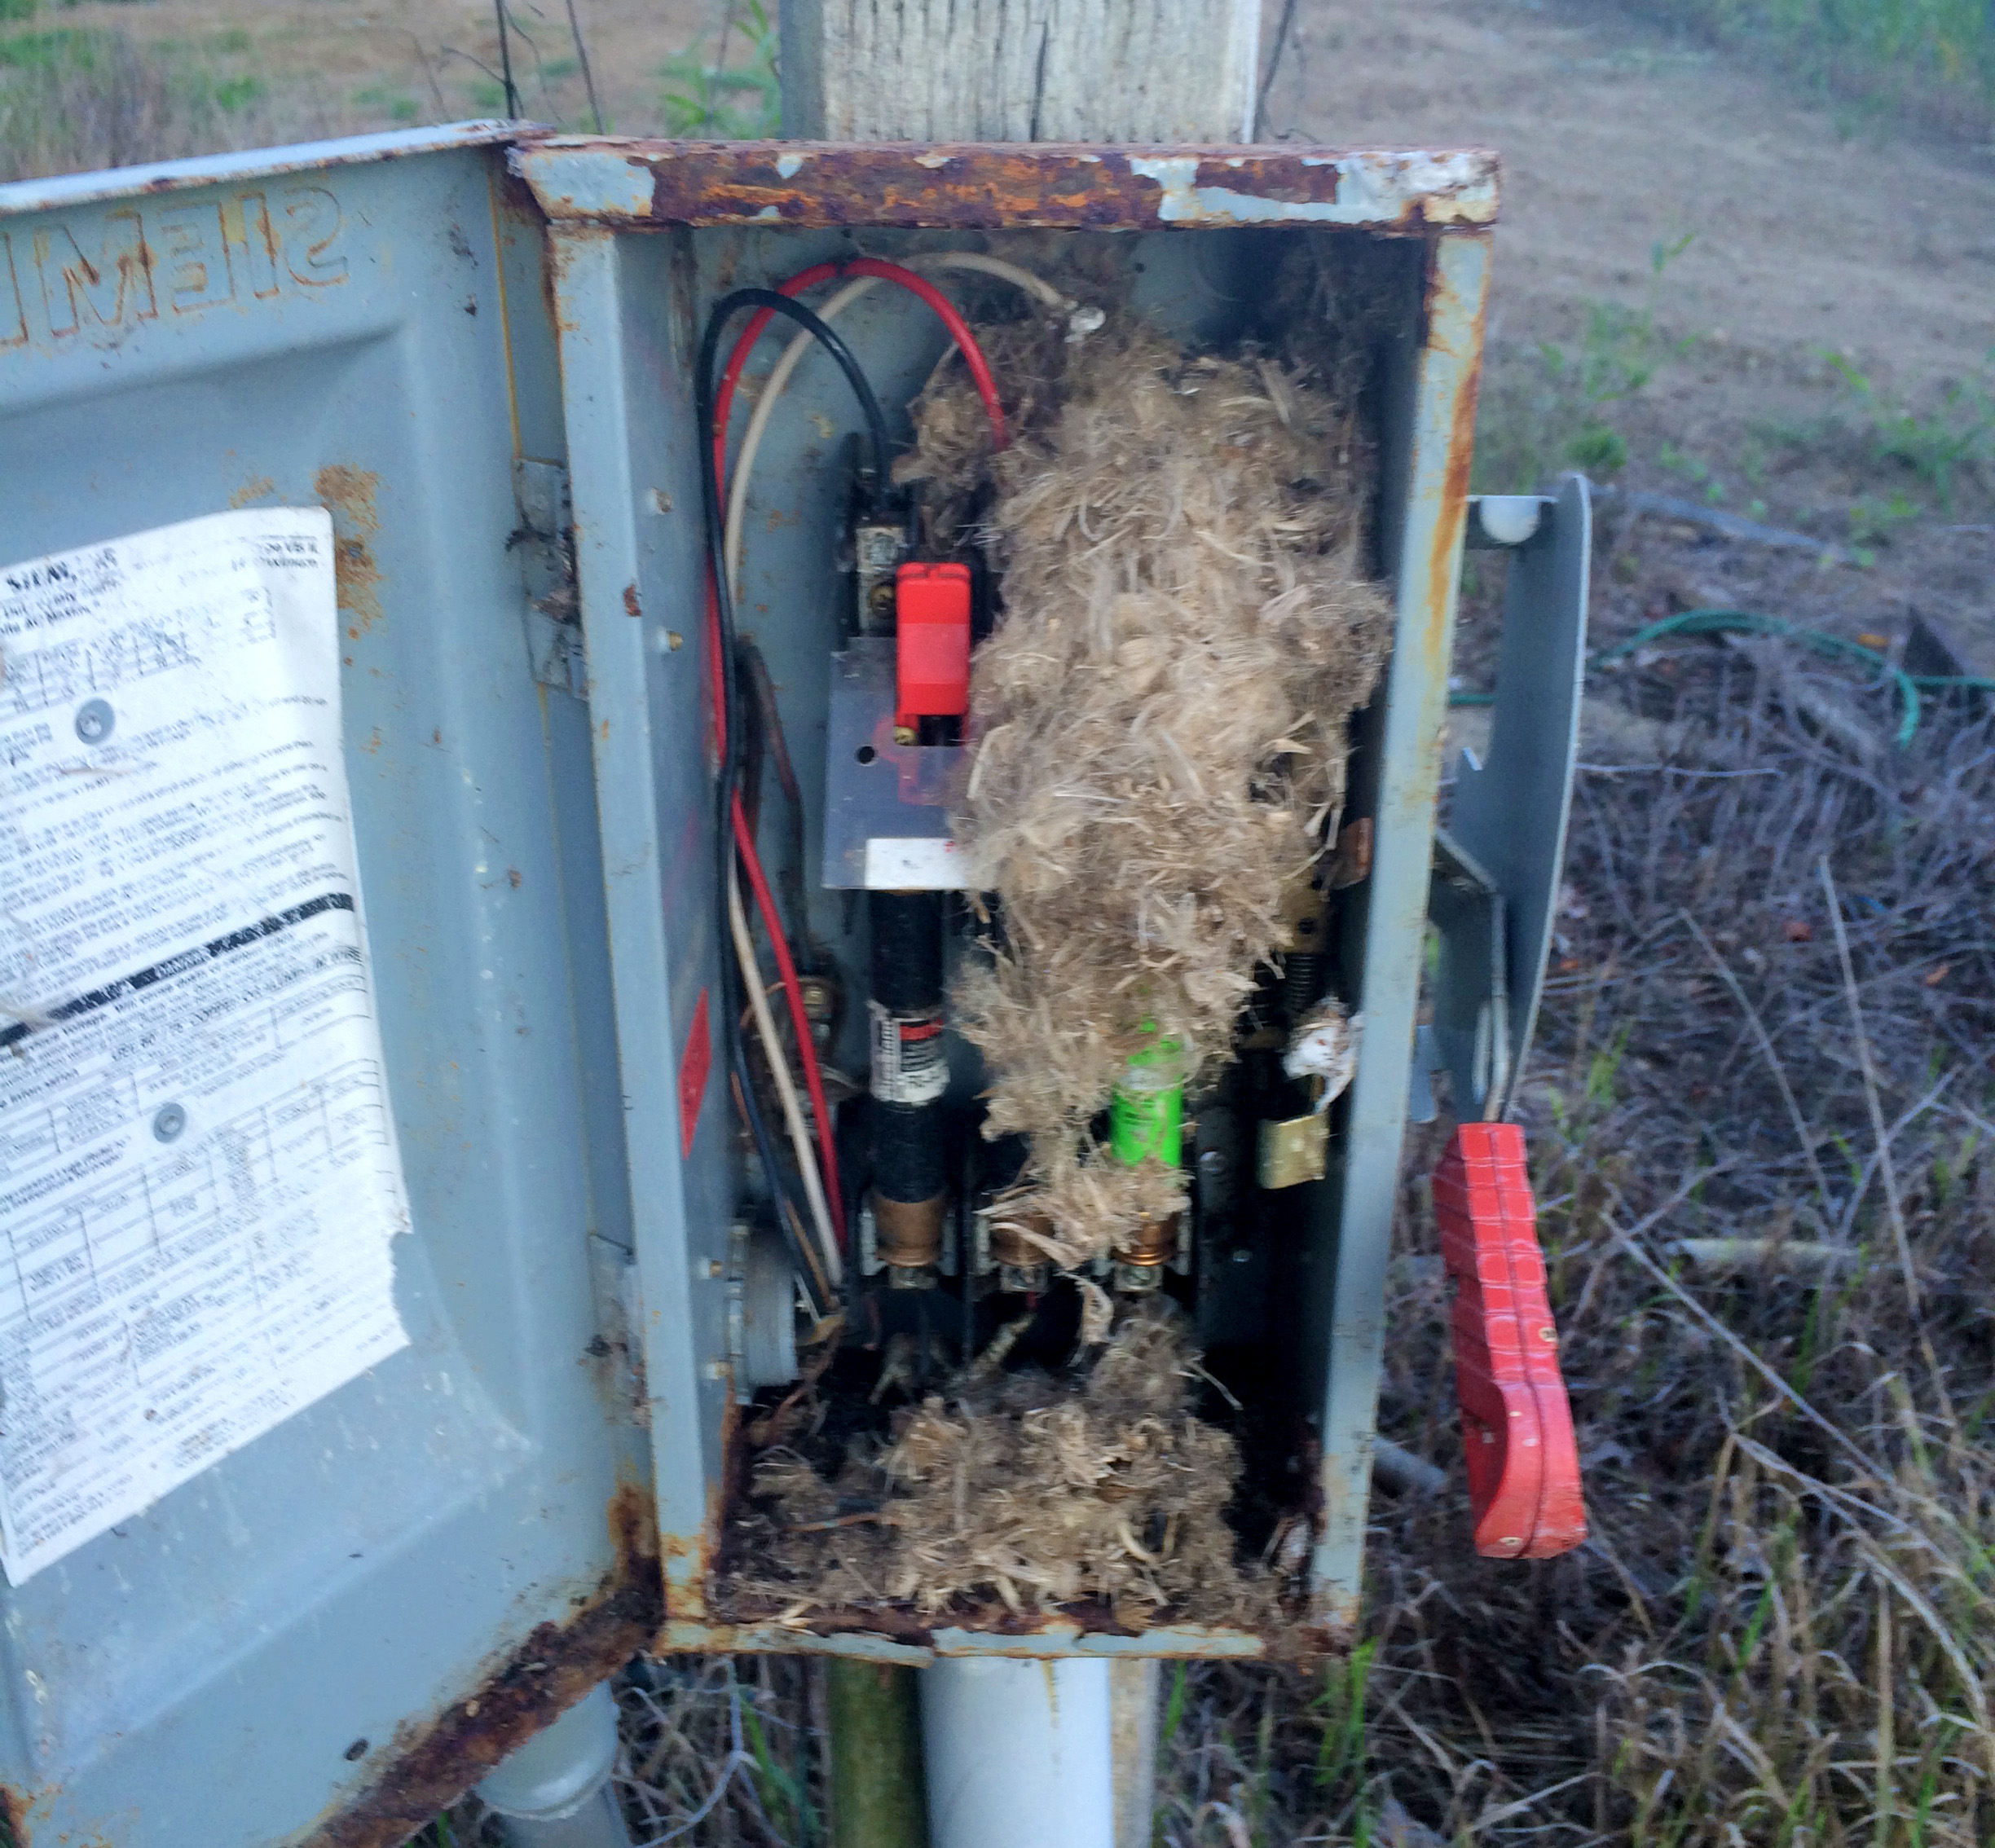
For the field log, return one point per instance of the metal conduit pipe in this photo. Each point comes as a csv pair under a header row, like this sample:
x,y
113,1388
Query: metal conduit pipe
x,y
554,1792
1018,1751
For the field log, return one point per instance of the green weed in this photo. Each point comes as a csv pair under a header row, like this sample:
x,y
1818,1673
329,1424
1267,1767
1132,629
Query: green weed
x,y
1557,407
729,101
73,98
398,106
1874,522
1174,1704
781,1793
13,9
1341,1753
1953,442
1875,54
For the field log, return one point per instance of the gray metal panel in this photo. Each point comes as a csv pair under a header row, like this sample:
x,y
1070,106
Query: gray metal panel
x,y
1510,812
1471,989
625,366
202,1673
1425,525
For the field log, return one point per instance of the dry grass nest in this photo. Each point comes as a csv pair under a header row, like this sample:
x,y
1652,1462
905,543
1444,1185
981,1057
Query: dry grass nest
x,y
1159,721
1021,1490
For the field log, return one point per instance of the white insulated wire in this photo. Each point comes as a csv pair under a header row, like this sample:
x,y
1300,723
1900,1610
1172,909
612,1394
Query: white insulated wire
x,y
785,1085
1037,287
766,403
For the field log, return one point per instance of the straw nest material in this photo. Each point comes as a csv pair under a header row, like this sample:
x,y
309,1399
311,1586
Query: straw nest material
x,y
1025,1489
1158,722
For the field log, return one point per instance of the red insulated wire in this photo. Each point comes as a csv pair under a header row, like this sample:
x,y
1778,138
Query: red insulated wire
x,y
958,330
785,965
807,1047
744,842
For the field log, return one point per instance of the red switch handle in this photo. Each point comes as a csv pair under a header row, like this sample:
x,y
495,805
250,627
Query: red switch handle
x,y
931,626
1516,1421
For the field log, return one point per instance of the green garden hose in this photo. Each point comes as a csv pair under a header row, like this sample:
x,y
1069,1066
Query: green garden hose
x,y
1746,622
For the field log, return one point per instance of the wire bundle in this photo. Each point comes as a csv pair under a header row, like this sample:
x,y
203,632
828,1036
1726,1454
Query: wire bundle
x,y
819,1254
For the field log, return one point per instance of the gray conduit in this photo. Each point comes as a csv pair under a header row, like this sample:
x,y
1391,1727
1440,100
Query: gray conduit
x,y
1019,1751
554,1792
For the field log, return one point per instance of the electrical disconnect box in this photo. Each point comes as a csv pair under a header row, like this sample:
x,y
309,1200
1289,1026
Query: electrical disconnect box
x,y
884,705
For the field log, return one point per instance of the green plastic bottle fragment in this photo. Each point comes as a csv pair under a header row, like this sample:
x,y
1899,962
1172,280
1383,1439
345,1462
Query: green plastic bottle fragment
x,y
1146,1110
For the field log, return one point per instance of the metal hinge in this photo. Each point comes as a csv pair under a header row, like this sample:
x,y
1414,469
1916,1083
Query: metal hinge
x,y
544,543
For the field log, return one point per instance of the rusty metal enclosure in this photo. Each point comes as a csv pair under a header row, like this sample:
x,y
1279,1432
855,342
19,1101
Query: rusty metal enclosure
x,y
468,344
643,239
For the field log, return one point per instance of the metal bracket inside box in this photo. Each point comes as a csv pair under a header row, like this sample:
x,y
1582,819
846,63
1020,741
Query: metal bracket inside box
x,y
1506,828
886,804
1471,983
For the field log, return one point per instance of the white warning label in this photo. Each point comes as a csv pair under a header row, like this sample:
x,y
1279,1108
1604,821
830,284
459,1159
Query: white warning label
x,y
909,1061
199,1182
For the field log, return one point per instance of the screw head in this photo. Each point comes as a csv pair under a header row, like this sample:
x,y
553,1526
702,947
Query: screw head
x,y
95,721
168,1121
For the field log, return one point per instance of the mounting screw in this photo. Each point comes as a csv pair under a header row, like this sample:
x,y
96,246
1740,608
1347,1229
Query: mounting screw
x,y
94,720
168,1121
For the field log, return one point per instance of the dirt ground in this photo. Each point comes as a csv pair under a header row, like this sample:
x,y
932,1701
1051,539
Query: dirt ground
x,y
1801,234
1878,244
1826,294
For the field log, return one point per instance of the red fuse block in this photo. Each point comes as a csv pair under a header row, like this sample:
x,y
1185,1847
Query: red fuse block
x,y
932,606
1516,1422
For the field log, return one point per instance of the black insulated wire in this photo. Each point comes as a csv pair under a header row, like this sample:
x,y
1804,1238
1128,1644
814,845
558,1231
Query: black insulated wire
x,y
730,677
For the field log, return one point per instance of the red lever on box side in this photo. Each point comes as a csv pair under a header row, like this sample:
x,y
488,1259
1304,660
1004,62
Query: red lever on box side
x,y
931,621
1516,1422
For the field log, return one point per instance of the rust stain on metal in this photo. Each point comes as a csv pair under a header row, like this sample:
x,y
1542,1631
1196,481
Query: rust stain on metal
x,y
14,1806
258,487
1453,513
688,1566
993,187
751,1629
558,1664
631,606
351,495
633,1526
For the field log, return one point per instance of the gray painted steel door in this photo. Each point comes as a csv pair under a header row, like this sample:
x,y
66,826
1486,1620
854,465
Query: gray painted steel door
x,y
260,1655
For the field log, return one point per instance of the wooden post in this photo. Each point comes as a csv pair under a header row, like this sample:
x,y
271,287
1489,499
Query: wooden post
x,y
1134,71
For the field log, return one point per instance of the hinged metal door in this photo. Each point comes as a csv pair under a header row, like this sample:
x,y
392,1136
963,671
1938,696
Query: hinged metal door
x,y
324,1635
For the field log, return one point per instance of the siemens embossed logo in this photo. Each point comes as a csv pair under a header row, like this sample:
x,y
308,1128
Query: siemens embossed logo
x,y
97,276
